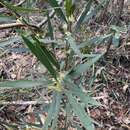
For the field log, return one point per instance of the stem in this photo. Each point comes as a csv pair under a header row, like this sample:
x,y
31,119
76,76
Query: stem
x,y
11,25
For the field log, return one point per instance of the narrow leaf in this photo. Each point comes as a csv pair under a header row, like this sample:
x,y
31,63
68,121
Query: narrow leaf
x,y
80,112
21,9
48,120
53,112
79,69
116,39
55,5
94,11
77,91
69,7
40,54
48,53
83,14
96,40
23,84
50,28
73,45
57,109
6,19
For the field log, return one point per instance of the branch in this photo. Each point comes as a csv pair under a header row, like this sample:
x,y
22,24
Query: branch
x,y
44,21
22,103
11,25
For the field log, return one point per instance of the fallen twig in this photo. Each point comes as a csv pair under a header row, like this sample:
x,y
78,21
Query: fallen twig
x,y
22,103
11,25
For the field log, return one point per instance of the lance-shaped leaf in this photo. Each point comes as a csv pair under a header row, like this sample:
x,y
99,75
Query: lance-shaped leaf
x,y
79,69
96,40
57,109
73,45
69,7
50,28
58,10
79,110
21,9
23,84
116,39
6,19
77,91
41,55
50,55
83,14
87,16
53,112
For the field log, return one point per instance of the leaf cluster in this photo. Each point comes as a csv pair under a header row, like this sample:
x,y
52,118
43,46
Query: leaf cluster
x,y
61,73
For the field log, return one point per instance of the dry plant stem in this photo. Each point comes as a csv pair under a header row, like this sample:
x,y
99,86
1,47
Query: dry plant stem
x,y
11,25
22,103
21,2
44,21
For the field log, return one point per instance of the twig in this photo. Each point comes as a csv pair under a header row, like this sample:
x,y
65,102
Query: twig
x,y
3,10
20,3
11,25
44,21
22,103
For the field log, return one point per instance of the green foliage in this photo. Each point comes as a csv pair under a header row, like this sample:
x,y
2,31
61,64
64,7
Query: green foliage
x,y
60,82
53,112
69,7
114,33
80,112
83,14
24,84
42,54
55,5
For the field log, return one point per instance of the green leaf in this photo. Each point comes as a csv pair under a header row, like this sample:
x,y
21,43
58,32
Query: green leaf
x,y
21,9
73,45
96,40
116,39
94,11
78,109
53,112
118,29
6,19
55,5
48,53
79,69
77,91
50,28
41,55
57,109
23,84
69,7
83,14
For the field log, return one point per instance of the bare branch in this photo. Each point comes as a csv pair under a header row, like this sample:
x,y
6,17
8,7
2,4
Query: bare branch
x,y
22,103
11,25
